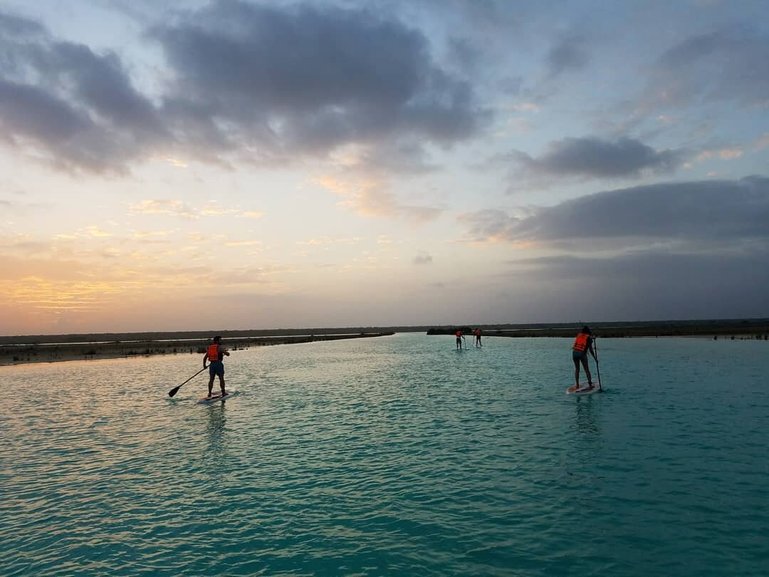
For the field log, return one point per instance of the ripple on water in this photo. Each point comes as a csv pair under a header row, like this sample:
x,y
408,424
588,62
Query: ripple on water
x,y
391,456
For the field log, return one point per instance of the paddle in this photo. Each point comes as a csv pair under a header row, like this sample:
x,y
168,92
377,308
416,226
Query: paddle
x,y
597,366
175,390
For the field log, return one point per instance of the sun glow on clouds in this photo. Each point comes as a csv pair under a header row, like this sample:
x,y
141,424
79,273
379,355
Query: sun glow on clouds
x,y
163,207
327,241
41,303
175,162
181,209
365,163
372,197
723,154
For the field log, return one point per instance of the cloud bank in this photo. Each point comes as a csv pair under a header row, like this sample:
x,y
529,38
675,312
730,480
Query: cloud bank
x,y
652,252
700,212
596,158
262,83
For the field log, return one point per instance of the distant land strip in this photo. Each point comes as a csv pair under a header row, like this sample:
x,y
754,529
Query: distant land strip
x,y
737,328
50,349
53,348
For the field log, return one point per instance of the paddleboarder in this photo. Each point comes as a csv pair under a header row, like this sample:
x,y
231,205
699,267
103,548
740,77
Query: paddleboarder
x,y
579,350
215,354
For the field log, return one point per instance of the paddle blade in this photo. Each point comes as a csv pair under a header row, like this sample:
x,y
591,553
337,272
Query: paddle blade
x,y
173,391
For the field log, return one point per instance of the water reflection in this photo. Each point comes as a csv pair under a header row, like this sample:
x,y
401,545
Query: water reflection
x,y
586,416
217,421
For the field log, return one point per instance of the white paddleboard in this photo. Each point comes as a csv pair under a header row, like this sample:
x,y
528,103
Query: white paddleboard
x,y
583,389
214,398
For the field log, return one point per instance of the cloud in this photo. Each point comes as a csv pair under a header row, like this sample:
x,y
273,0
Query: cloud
x,y
72,107
168,207
674,250
649,284
697,213
255,214
308,79
591,157
723,153
240,82
329,241
423,258
164,207
728,64
370,197
568,53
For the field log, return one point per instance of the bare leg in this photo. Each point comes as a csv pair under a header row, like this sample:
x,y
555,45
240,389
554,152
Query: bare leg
x,y
587,370
221,385
576,373
210,385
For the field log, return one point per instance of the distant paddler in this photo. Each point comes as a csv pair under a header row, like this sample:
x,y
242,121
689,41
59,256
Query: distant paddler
x,y
215,353
460,338
582,345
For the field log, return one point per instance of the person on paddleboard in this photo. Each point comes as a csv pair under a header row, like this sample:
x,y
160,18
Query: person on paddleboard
x,y
459,336
215,354
579,350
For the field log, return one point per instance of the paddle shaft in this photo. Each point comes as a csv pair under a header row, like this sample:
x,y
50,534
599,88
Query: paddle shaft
x,y
175,390
597,365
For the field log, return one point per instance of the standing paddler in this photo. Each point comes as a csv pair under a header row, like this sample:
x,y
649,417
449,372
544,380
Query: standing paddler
x,y
582,345
215,355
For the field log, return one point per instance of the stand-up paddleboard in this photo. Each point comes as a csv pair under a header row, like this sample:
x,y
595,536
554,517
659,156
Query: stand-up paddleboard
x,y
583,389
214,398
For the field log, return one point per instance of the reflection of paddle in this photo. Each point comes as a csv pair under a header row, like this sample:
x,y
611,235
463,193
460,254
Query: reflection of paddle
x,y
175,390
597,366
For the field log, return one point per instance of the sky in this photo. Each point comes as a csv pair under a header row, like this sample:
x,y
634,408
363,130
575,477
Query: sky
x,y
242,164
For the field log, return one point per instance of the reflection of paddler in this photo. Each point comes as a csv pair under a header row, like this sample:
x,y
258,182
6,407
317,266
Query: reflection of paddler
x,y
583,344
215,355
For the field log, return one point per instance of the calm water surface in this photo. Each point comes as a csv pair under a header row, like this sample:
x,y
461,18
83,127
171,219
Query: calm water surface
x,y
392,456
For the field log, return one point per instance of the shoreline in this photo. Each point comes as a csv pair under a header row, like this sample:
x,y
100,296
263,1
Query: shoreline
x,y
16,350
716,329
62,351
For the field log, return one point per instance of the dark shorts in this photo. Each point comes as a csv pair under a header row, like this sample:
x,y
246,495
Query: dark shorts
x,y
578,355
216,368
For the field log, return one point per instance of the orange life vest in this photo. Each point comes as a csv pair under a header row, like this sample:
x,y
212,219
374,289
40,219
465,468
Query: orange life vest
x,y
580,343
213,352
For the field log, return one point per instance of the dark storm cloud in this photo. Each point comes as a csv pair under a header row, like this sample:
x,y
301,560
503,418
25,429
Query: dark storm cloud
x,y
591,157
727,64
29,111
259,82
312,79
100,83
698,212
76,107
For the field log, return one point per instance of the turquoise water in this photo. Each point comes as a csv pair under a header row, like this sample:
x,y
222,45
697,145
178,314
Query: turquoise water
x,y
392,456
